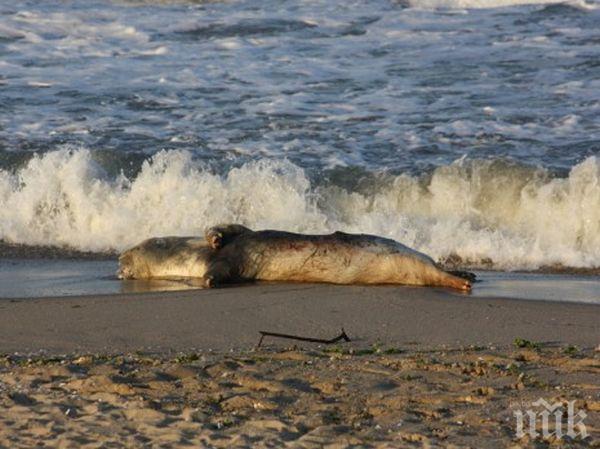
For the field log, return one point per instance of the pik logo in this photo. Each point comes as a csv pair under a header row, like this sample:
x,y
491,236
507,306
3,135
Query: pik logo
x,y
552,419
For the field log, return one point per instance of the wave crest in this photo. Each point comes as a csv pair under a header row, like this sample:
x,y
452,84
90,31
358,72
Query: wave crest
x,y
482,212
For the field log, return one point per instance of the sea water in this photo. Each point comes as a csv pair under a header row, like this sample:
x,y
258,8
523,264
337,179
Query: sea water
x,y
466,129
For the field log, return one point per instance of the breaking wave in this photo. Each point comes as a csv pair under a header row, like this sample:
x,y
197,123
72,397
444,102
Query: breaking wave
x,y
492,213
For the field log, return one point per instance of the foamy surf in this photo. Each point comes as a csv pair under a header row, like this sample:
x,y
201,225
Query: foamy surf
x,y
484,213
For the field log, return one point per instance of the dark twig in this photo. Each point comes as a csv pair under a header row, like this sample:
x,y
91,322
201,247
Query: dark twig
x,y
264,334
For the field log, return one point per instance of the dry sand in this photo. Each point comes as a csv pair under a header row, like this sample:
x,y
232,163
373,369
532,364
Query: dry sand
x,y
426,368
296,399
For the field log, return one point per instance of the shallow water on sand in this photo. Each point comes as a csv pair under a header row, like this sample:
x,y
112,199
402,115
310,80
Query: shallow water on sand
x,y
27,278
535,286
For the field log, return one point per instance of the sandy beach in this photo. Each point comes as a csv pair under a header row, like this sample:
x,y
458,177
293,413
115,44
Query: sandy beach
x,y
425,368
231,318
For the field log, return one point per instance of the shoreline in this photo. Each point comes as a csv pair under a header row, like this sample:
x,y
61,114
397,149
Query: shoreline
x,y
231,318
45,277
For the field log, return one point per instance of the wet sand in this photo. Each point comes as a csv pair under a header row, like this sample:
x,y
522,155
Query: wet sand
x,y
231,318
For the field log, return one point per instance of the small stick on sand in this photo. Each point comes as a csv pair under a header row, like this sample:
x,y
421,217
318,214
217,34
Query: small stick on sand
x,y
264,334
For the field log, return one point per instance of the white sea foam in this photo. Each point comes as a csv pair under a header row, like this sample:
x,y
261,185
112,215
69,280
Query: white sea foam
x,y
516,216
